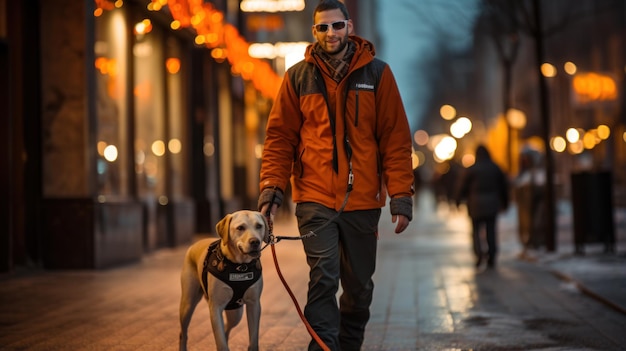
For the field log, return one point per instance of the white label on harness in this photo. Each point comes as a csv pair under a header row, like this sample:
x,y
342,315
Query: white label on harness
x,y
240,277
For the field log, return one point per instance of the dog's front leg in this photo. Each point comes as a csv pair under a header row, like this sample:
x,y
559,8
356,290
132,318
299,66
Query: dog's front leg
x,y
217,324
253,314
252,298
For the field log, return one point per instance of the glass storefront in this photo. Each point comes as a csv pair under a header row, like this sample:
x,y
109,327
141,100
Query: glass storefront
x,y
112,101
148,93
158,96
142,118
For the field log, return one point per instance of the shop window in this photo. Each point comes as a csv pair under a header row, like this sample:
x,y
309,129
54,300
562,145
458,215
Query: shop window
x,y
178,145
153,93
111,52
150,110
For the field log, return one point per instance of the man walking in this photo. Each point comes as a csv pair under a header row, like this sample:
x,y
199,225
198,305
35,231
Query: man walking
x,y
338,129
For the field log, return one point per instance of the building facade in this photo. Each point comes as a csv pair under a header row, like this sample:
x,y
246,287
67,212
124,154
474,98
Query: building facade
x,y
121,133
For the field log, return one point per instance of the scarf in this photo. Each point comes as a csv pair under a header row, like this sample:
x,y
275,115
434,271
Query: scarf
x,y
338,67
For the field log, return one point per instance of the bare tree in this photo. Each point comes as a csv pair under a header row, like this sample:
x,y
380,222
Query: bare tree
x,y
502,26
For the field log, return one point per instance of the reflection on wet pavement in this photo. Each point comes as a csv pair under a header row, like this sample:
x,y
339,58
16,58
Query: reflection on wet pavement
x,y
429,295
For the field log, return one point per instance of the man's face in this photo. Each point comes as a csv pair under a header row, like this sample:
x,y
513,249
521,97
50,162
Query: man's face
x,y
334,39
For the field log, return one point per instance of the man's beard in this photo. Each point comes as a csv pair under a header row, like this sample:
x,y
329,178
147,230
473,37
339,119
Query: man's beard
x,y
343,42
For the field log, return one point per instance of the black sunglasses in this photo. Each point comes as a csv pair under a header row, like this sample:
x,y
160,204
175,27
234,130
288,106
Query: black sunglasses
x,y
323,27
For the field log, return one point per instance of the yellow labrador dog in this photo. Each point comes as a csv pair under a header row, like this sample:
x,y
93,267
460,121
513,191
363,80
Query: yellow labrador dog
x,y
227,273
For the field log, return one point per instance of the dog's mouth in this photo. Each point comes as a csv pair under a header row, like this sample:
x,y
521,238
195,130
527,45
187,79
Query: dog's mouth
x,y
251,253
254,254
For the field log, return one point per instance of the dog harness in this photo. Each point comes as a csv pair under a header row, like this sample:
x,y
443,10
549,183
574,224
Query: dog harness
x,y
238,276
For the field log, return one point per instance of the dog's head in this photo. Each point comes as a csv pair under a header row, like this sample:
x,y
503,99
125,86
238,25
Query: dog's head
x,y
244,231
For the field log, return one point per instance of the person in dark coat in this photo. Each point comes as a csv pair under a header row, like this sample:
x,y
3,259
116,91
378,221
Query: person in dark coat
x,y
484,188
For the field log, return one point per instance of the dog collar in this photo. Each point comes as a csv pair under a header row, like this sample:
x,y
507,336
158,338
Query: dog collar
x,y
238,276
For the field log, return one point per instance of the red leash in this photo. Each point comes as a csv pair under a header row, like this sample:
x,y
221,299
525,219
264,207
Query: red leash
x,y
295,302
293,297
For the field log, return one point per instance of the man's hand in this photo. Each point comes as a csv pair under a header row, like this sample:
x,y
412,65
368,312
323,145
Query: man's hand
x,y
403,223
264,209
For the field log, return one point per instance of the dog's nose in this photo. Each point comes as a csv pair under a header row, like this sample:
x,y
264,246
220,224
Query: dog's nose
x,y
254,242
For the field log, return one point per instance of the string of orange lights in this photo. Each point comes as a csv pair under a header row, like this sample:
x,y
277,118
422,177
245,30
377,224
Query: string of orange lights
x,y
221,37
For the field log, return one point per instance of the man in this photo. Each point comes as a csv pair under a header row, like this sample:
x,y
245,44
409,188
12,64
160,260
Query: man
x,y
339,130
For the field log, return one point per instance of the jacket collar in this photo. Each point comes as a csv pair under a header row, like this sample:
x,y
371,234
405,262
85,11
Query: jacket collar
x,y
364,53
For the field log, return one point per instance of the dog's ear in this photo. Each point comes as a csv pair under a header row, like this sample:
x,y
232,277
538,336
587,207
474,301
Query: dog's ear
x,y
223,228
266,235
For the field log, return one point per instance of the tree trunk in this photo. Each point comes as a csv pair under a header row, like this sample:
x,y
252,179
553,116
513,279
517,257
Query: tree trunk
x,y
550,228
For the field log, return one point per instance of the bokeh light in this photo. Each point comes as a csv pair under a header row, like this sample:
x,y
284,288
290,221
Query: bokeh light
x,y
467,160
576,148
175,146
572,135
570,68
421,137
447,112
158,148
604,132
460,127
558,144
548,70
110,153
445,149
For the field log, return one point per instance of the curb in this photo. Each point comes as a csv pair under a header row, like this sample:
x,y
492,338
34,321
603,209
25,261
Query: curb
x,y
589,292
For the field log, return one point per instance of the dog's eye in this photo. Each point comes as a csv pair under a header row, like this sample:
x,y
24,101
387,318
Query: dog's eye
x,y
259,226
241,228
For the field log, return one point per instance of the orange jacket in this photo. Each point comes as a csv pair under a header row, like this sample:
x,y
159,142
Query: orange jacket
x,y
299,136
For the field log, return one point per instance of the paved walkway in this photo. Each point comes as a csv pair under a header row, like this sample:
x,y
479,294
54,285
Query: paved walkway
x,y
428,296
599,275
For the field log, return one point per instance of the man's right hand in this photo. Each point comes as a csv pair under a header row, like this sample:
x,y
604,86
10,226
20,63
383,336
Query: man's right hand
x,y
273,211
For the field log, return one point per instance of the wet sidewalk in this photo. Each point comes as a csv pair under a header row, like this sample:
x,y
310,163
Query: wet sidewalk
x,y
428,296
598,274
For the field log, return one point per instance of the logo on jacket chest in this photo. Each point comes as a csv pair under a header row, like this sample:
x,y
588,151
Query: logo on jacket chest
x,y
364,86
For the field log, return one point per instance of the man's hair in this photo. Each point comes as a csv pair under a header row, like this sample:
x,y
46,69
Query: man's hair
x,y
326,5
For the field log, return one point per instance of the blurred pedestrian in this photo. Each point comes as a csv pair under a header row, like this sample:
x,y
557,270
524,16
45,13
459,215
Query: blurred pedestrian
x,y
484,188
339,131
444,180
530,199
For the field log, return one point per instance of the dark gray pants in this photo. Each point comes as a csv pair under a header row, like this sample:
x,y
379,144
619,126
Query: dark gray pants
x,y
345,251
489,223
